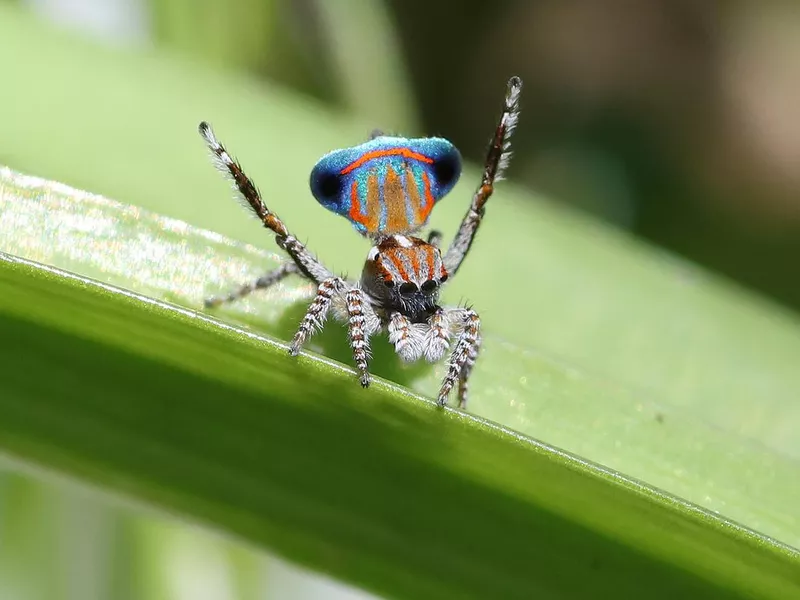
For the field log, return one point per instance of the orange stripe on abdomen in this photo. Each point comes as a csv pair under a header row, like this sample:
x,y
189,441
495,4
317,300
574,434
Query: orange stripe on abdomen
x,y
365,158
373,203
355,205
426,208
394,198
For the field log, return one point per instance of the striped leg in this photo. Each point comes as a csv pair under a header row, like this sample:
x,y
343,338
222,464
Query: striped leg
x,y
317,312
306,262
466,371
267,280
497,160
358,332
466,345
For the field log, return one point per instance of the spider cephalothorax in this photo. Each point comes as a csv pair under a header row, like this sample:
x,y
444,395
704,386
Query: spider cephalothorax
x,y
403,274
387,187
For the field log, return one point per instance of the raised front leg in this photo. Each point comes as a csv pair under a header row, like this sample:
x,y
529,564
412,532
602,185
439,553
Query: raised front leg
x,y
267,280
469,323
496,163
306,262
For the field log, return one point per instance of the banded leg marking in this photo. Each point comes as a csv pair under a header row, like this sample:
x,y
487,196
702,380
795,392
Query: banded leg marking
x,y
466,371
265,281
317,312
357,332
497,160
306,262
465,346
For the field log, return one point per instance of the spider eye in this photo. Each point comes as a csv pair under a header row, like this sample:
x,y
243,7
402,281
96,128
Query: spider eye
x,y
407,288
389,283
447,168
429,286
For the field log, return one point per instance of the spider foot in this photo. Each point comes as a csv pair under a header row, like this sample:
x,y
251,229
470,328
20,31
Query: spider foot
x,y
443,394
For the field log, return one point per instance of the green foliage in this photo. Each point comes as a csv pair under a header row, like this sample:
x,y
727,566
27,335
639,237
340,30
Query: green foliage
x,y
231,35
594,344
373,486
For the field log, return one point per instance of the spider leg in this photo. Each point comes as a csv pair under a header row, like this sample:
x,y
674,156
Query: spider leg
x,y
306,262
469,323
268,279
497,160
466,371
361,321
435,237
359,331
317,312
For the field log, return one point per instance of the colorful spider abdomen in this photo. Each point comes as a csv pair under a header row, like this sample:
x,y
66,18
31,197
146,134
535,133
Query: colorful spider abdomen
x,y
405,273
388,185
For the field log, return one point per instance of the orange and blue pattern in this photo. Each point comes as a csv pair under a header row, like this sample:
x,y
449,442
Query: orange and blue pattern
x,y
388,185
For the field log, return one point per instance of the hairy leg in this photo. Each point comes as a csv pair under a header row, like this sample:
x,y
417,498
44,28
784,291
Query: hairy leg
x,y
306,262
317,312
267,280
466,371
469,323
497,160
361,321
358,331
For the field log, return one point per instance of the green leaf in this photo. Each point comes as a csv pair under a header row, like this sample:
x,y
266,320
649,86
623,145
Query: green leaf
x,y
375,486
594,343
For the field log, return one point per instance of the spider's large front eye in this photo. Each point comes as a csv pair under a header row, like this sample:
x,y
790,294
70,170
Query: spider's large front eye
x,y
407,288
429,286
326,186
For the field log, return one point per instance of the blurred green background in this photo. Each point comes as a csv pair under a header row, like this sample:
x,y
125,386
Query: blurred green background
x,y
675,119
